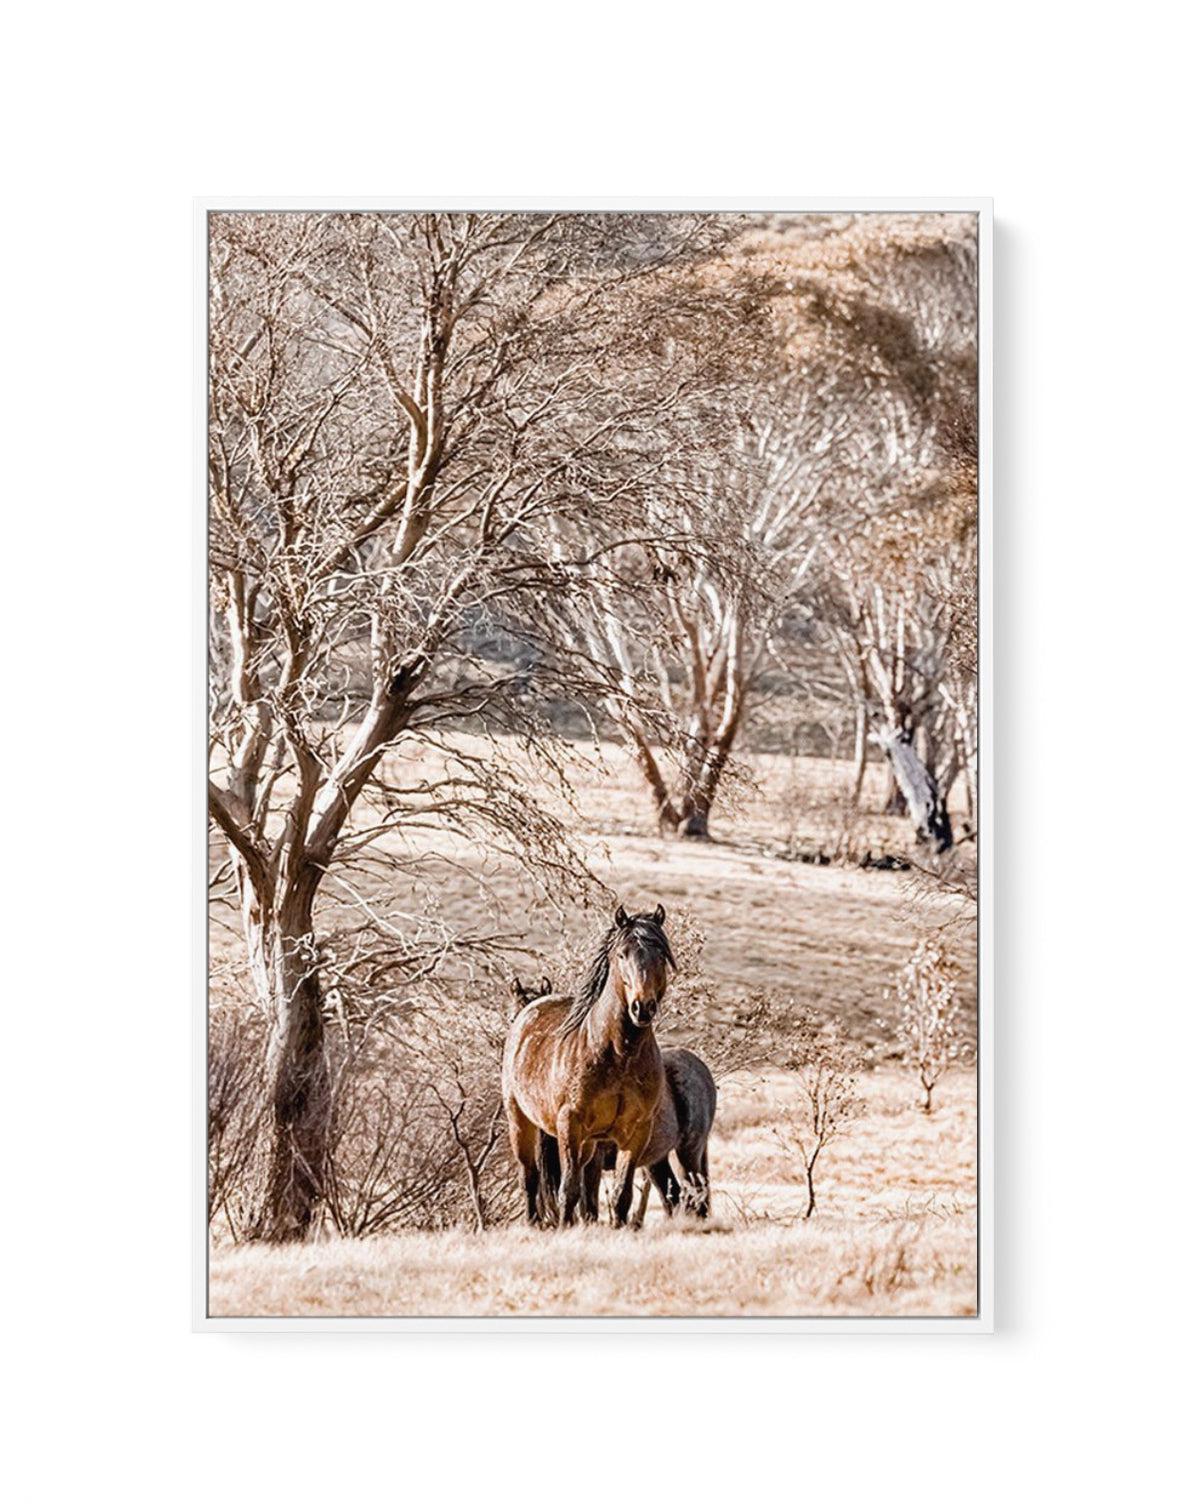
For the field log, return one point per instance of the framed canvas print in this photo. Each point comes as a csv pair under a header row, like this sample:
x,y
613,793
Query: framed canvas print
x,y
596,833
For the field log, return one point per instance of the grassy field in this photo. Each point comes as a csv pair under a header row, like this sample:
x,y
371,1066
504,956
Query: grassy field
x,y
895,1229
894,1234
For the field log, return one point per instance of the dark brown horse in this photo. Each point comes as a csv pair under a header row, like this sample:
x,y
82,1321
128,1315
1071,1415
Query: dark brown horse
x,y
684,1125
587,1069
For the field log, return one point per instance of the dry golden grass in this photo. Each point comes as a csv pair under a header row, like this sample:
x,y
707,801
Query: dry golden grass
x,y
833,936
894,1234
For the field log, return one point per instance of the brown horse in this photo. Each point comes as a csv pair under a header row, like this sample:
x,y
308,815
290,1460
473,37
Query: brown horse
x,y
588,1068
682,1128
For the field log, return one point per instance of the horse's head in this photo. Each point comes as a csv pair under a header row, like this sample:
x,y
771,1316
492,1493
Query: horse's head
x,y
640,958
525,995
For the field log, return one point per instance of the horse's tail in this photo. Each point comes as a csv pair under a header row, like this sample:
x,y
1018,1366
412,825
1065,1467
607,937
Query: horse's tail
x,y
549,1164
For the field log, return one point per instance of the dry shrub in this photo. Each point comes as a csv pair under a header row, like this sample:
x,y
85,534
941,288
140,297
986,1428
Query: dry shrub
x,y
416,1125
237,1115
828,1065
390,1166
729,1033
930,1035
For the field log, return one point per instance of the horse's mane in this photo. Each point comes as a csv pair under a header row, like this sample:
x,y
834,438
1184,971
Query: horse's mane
x,y
644,930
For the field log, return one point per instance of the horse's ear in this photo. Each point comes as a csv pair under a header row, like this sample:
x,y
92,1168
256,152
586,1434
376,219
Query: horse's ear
x,y
622,917
516,986
660,913
546,987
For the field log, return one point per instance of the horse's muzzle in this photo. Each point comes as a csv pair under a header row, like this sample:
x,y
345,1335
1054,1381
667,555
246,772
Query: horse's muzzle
x,y
642,1012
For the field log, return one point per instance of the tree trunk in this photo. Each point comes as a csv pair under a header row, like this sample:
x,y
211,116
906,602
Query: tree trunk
x,y
698,801
967,760
893,798
297,1074
702,792
688,818
693,825
926,806
949,775
666,816
860,754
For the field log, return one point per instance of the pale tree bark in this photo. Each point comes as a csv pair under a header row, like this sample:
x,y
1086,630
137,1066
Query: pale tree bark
x,y
860,753
666,814
297,1074
926,805
890,636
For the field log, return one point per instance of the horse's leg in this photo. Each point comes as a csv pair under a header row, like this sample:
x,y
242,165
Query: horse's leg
x,y
522,1135
693,1160
589,1204
573,1162
627,1161
639,1218
606,1154
702,1165
549,1176
663,1178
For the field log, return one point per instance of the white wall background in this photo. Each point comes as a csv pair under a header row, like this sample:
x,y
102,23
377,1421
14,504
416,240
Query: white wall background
x,y
117,115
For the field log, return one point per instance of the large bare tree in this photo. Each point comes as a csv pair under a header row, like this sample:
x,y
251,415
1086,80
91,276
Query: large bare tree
x,y
681,629
891,610
894,299
400,406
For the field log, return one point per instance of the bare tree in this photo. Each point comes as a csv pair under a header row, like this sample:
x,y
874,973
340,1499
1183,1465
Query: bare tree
x,y
897,300
955,581
399,406
828,1067
892,625
681,628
